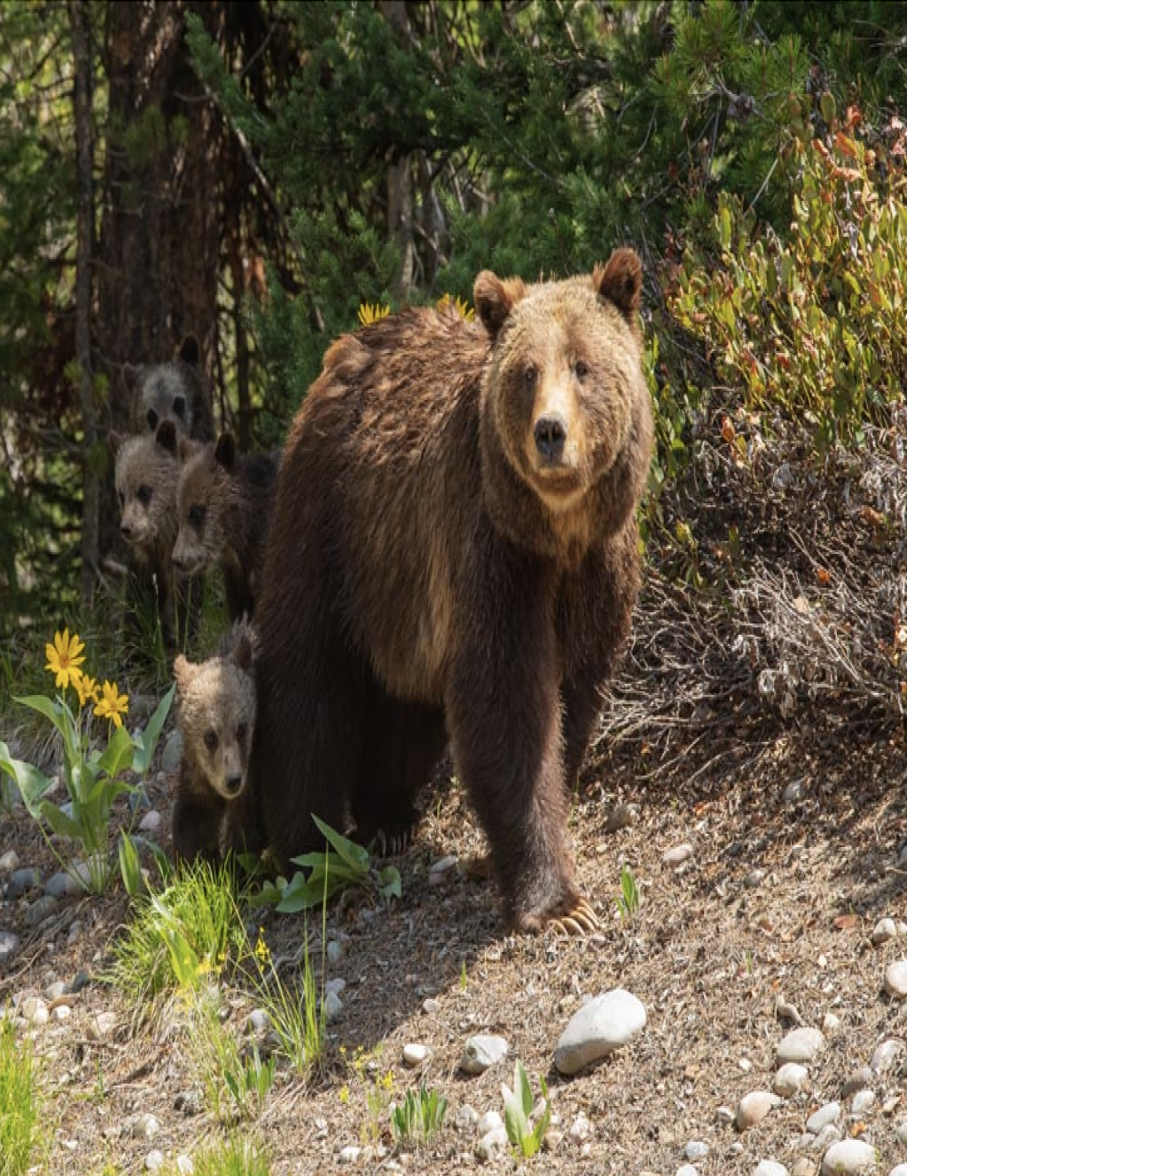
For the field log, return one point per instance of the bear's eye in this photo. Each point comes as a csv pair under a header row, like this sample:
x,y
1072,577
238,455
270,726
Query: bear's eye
x,y
242,732
582,370
210,740
530,377
122,499
196,516
143,494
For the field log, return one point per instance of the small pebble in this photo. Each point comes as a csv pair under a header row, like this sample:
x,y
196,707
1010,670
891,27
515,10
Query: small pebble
x,y
332,1006
830,1024
896,979
580,1129
787,1013
848,1157
442,870
790,1079
819,1119
61,1013
430,1005
724,1116
769,1168
900,1170
860,1078
884,930
794,791
804,1167
601,1026
154,1160
696,1150
54,990
744,1064
490,1121
145,1127
414,1054
40,910
8,861
9,942
621,817
27,879
101,1026
753,1107
466,1118
862,1102
151,821
801,1045
492,1146
884,1055
678,854
334,951
687,1170
173,751
350,1154
481,1052
258,1022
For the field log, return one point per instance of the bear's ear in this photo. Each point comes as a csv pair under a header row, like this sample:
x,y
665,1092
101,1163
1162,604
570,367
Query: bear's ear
x,y
494,299
166,438
243,643
184,671
180,408
132,374
190,351
619,280
226,451
115,440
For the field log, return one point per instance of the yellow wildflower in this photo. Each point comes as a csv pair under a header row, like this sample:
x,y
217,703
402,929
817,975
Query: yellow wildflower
x,y
87,689
459,305
263,952
372,312
64,658
111,705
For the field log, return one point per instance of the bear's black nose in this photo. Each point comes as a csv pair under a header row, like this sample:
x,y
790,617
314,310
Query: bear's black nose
x,y
232,785
551,431
126,531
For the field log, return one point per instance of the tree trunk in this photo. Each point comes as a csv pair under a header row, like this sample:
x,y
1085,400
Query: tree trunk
x,y
92,463
160,241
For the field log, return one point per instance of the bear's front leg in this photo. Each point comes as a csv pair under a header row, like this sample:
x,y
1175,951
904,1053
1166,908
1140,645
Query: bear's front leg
x,y
502,708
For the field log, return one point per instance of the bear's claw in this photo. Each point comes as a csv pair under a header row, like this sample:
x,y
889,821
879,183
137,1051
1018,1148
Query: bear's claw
x,y
580,920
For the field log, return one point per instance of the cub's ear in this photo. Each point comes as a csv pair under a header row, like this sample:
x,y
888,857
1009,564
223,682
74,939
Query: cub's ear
x,y
226,451
244,644
132,374
494,299
619,280
190,351
184,671
115,440
166,437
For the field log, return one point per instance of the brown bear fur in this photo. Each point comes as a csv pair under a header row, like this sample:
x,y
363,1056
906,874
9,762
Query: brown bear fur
x,y
217,717
146,471
176,391
223,506
453,556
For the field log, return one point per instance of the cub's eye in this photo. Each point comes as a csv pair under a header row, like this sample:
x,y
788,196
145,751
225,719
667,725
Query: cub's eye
x,y
242,732
530,377
143,494
122,499
210,740
582,370
196,516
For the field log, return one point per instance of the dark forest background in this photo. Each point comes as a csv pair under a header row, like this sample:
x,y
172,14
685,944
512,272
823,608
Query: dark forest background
x,y
250,173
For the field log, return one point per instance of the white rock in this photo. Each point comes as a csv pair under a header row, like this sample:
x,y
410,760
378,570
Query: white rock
x,y
801,1045
151,821
442,870
145,1127
466,1118
769,1168
724,1116
884,930
900,1170
790,1079
173,751
676,855
687,1170
154,1160
334,951
54,990
481,1052
602,1025
493,1145
753,1107
896,979
101,1026
830,1024
848,1157
490,1121
350,1154
414,1054
696,1150
884,1055
61,1013
580,1130
8,861
862,1102
821,1118
258,1022
336,984
9,942
332,1005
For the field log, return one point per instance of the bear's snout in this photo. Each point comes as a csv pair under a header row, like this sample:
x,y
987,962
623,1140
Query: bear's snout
x,y
233,785
551,431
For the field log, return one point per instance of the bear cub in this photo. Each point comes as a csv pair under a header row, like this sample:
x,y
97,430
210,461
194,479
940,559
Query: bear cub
x,y
176,391
217,715
223,504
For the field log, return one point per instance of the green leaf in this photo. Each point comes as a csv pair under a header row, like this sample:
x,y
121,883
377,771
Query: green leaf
x,y
119,751
354,855
30,783
60,822
145,749
389,880
129,865
56,712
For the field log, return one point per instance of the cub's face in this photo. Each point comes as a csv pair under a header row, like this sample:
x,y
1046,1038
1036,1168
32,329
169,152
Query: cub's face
x,y
218,711
145,474
202,488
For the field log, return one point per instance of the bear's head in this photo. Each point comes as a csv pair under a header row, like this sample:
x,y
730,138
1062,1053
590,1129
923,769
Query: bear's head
x,y
167,391
205,487
564,402
218,711
146,468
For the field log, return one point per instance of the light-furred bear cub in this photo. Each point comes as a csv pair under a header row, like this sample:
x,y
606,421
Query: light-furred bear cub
x,y
223,503
146,472
176,391
218,706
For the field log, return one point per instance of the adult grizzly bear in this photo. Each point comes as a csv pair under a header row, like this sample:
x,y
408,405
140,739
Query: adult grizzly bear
x,y
453,554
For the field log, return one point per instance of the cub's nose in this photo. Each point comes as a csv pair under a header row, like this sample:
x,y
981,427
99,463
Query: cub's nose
x,y
233,784
126,530
551,431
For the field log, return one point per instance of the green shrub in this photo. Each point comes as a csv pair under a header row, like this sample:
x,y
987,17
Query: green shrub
x,y
19,1130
